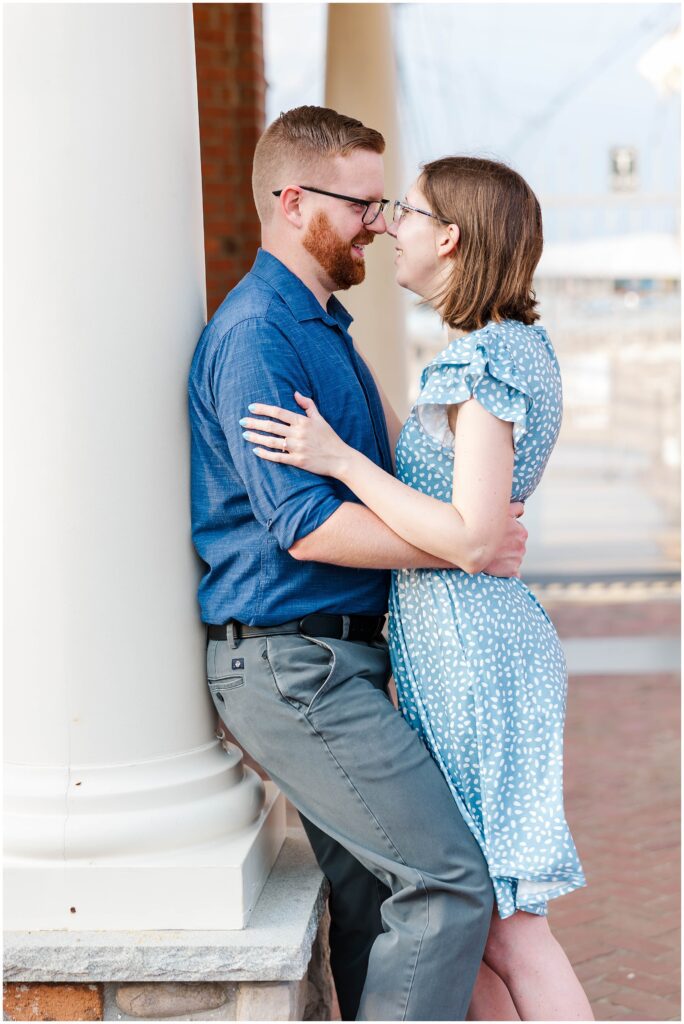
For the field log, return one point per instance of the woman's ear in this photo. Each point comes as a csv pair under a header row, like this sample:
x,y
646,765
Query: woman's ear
x,y
448,241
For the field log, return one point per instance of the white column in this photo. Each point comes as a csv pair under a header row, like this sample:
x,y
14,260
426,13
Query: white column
x,y
122,810
360,81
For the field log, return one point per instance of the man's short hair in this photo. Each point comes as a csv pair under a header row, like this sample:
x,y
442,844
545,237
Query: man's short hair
x,y
297,142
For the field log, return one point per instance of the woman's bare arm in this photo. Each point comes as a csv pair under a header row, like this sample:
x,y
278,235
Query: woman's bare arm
x,y
483,472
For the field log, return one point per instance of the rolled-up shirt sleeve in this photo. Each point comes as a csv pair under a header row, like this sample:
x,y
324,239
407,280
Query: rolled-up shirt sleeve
x,y
256,362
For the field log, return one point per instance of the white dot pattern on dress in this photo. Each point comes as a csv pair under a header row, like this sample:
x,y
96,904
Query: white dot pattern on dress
x,y
479,668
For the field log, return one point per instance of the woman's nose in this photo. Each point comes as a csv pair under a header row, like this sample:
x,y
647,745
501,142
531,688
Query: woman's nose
x,y
392,229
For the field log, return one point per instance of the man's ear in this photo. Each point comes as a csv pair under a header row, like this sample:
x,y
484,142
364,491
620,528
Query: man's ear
x,y
290,200
449,240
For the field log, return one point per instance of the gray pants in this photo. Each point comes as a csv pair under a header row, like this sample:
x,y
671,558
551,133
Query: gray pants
x,y
315,713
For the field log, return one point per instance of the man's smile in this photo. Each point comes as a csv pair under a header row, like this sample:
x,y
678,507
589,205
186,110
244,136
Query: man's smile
x,y
359,246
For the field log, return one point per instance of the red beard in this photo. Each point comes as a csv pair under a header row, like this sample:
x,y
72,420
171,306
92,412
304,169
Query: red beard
x,y
334,254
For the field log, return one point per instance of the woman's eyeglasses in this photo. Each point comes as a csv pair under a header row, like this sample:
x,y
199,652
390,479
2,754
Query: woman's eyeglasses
x,y
399,209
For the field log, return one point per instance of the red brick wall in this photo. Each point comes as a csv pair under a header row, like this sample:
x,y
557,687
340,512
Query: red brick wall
x,y
231,90
38,1001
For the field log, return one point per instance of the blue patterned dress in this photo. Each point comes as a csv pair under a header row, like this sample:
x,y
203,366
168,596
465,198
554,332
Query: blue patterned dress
x,y
479,669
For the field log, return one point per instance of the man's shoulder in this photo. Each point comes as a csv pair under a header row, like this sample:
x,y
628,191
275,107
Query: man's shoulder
x,y
250,301
252,328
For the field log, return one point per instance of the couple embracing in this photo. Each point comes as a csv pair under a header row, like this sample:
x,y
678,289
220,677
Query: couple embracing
x,y
440,827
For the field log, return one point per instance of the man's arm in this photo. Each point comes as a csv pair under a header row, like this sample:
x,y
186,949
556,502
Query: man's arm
x,y
355,536
255,358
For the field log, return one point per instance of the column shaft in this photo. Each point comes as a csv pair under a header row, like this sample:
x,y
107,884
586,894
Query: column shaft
x,y
122,809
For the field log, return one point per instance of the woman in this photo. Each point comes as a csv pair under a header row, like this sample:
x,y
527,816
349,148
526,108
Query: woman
x,y
478,666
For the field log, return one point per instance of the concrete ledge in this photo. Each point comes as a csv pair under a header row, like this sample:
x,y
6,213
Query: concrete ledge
x,y
275,945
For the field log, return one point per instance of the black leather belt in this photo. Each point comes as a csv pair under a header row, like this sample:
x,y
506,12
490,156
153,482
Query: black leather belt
x,y
337,627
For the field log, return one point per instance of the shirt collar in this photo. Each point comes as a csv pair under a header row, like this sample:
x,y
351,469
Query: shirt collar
x,y
301,301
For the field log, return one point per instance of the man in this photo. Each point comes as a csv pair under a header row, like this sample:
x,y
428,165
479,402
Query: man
x,y
296,585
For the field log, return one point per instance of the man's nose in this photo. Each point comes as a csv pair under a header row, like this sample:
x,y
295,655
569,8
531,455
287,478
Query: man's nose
x,y
379,225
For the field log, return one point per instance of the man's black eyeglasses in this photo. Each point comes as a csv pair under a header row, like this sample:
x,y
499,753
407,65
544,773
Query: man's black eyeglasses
x,y
373,207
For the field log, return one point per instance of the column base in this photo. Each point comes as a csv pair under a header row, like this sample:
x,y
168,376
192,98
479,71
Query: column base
x,y
274,946
214,885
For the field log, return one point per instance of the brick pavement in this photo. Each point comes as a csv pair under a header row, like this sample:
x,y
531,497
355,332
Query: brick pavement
x,y
622,803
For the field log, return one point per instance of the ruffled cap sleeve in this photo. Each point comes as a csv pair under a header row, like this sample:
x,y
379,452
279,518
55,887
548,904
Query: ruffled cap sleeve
x,y
479,366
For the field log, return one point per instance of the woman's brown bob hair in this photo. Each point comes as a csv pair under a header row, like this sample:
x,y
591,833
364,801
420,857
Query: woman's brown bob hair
x,y
500,240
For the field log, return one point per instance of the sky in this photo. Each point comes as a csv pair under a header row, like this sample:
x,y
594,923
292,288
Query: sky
x,y
548,88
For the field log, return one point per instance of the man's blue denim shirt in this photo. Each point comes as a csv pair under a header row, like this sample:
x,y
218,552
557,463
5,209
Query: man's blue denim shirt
x,y
269,338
